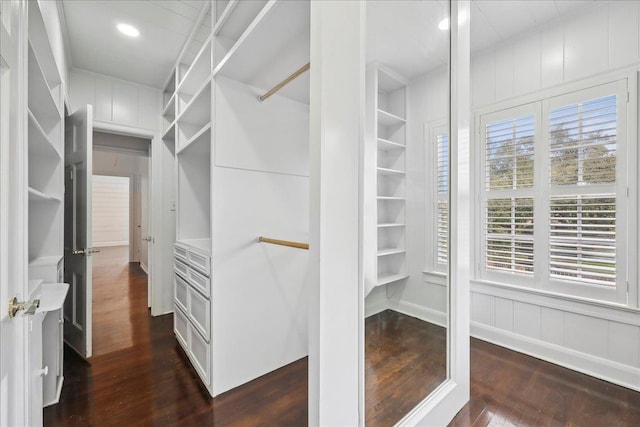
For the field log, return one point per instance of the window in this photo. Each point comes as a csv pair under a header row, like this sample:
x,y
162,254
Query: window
x,y
437,187
442,202
553,196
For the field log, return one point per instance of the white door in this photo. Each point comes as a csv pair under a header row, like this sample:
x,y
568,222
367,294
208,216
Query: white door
x,y
14,377
78,163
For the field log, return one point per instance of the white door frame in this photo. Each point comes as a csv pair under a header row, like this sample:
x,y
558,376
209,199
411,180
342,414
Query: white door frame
x,y
157,284
15,396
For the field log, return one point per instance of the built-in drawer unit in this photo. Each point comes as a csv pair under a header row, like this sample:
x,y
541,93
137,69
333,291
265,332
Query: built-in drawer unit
x,y
181,292
199,261
180,327
180,267
192,314
198,281
199,311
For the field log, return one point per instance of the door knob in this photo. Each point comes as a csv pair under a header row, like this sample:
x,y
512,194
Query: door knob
x,y
30,307
43,372
87,251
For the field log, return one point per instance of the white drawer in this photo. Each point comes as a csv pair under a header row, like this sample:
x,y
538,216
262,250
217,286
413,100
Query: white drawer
x,y
181,327
181,292
200,355
180,267
199,282
199,261
199,310
180,252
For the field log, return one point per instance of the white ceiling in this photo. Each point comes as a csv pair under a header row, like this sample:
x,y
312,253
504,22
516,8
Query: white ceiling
x,y
401,33
97,46
404,34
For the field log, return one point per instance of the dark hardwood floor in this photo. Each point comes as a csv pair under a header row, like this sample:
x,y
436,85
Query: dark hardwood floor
x,y
139,376
405,361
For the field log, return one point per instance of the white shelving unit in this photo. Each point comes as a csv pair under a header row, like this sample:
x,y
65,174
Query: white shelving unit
x,y
45,188
237,50
386,145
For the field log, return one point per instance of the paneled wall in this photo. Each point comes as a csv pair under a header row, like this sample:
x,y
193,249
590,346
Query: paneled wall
x,y
591,338
116,101
110,210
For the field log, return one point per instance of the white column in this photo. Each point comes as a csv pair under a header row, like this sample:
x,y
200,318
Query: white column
x,y
335,274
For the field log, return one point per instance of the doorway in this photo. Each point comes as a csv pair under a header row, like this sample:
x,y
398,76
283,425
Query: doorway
x,y
120,222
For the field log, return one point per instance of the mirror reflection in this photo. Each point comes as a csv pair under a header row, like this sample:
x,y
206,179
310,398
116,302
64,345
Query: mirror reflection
x,y
406,205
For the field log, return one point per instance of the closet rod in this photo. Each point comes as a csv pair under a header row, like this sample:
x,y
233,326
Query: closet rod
x,y
285,81
298,245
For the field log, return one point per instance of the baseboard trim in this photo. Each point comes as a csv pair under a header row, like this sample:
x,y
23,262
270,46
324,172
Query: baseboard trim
x,y
423,313
613,372
144,268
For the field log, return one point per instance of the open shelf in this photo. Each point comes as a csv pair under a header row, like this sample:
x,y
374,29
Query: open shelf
x,y
390,224
235,23
387,119
42,103
203,245
203,135
387,252
169,91
385,280
39,143
170,133
391,198
386,145
280,30
169,110
52,260
39,196
387,171
198,72
198,109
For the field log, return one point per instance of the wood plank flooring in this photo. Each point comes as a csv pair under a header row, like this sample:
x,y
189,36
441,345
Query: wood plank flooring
x,y
140,377
405,361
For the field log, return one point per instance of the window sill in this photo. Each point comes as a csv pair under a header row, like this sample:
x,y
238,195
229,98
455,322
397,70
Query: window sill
x,y
435,277
587,307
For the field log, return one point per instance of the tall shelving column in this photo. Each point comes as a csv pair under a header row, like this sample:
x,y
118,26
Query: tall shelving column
x,y
45,158
390,136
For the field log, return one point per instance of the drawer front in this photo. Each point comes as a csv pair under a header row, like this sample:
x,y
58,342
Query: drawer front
x,y
199,261
199,282
200,354
181,292
180,267
180,252
181,327
200,312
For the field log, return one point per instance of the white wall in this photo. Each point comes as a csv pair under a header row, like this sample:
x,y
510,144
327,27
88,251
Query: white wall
x,y
110,210
116,101
259,187
134,166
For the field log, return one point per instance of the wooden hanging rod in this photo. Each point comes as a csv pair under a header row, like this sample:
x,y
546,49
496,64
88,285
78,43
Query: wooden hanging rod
x,y
286,81
298,245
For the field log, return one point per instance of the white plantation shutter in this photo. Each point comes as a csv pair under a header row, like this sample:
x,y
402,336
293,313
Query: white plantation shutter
x,y
557,196
442,203
582,207
508,202
582,239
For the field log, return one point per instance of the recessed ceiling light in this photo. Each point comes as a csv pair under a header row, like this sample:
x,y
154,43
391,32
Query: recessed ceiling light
x,y
128,30
444,24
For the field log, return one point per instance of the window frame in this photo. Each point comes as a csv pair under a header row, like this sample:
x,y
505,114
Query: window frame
x,y
625,85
